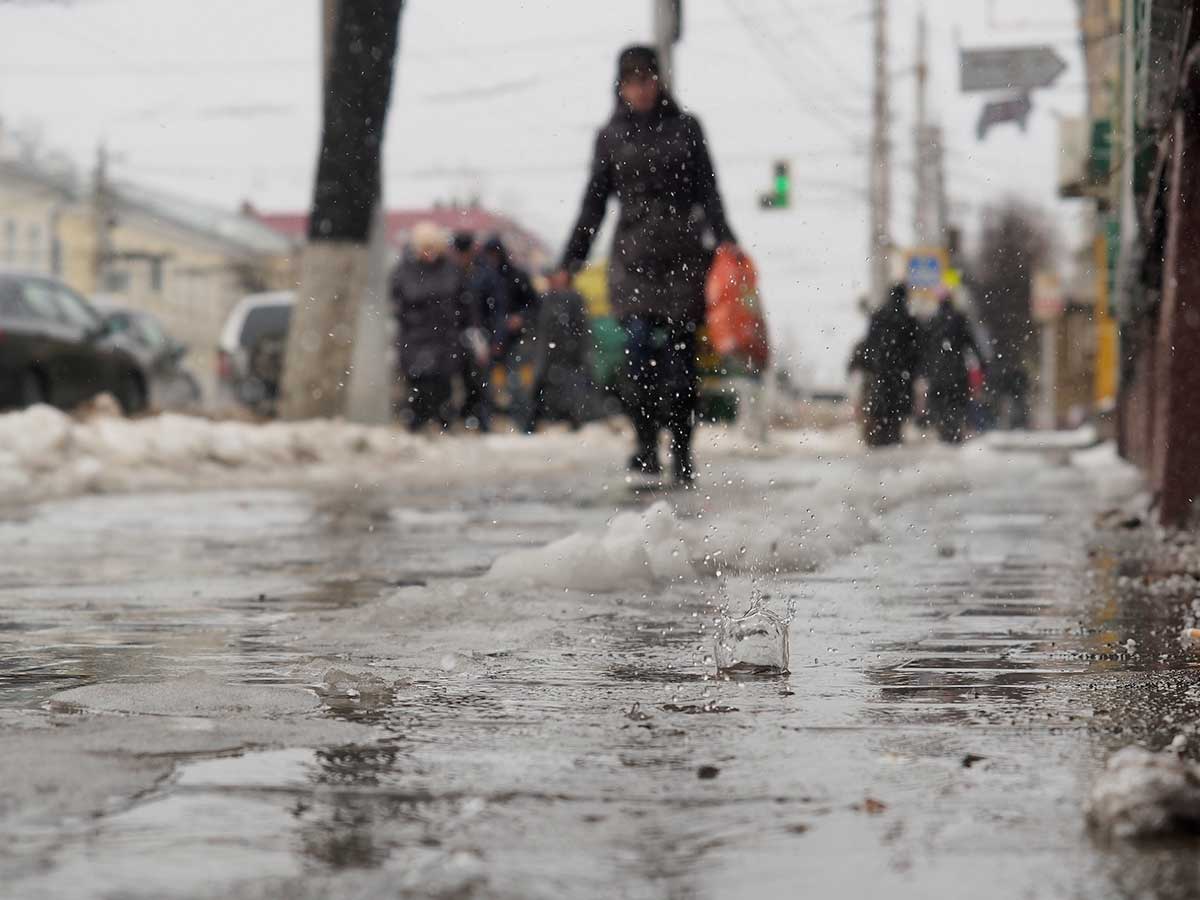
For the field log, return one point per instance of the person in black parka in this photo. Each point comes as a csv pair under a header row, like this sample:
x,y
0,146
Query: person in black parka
x,y
949,339
513,306
654,158
890,356
562,384
427,298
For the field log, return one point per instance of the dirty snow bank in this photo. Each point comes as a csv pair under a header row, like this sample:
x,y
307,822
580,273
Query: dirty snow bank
x,y
758,525
44,452
1141,794
1066,439
635,548
1115,480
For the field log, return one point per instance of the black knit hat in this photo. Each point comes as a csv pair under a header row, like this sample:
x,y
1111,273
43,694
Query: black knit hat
x,y
639,59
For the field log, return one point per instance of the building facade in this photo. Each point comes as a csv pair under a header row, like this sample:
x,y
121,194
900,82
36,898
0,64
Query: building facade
x,y
1143,60
184,262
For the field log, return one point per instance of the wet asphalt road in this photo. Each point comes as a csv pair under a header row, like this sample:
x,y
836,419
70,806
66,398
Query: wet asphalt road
x,y
955,685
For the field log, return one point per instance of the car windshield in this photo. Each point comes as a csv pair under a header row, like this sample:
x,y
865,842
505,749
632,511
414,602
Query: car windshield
x,y
148,331
265,321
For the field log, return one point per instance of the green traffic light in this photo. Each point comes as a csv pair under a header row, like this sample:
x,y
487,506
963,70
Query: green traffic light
x,y
783,184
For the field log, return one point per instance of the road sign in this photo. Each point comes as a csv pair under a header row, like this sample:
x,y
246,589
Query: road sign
x,y
925,269
1014,109
1047,300
1010,68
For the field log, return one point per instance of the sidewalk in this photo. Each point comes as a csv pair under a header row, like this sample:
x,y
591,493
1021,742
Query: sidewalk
x,y
955,685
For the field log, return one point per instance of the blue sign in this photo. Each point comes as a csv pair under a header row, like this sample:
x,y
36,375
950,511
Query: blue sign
x,y
924,271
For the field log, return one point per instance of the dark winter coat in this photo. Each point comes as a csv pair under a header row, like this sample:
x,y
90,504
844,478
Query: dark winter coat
x,y
495,291
427,299
564,333
563,356
891,355
659,168
949,339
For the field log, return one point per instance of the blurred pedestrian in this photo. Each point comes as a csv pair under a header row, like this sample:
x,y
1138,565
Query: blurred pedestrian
x,y
1010,388
562,383
889,356
654,158
426,291
513,304
949,340
479,328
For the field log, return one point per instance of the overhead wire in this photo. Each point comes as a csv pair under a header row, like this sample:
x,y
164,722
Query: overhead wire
x,y
815,103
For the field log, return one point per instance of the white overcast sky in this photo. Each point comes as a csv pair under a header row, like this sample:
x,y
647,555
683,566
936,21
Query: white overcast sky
x,y
219,101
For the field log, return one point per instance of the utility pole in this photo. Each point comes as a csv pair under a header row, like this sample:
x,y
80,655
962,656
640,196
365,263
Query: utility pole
x,y
924,233
668,27
880,174
937,152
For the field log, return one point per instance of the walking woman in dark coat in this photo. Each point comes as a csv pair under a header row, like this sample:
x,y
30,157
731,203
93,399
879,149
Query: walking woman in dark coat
x,y
427,296
949,340
654,158
890,357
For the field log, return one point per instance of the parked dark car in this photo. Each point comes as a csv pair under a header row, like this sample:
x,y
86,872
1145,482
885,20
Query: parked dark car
x,y
250,350
171,385
56,348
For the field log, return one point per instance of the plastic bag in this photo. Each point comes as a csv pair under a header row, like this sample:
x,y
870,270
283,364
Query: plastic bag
x,y
736,324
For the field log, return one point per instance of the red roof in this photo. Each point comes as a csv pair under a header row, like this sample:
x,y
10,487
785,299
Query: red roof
x,y
524,245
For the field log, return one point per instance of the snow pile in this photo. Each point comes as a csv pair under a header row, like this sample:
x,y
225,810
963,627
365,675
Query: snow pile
x,y
45,452
1073,439
635,549
744,529
1115,479
1141,794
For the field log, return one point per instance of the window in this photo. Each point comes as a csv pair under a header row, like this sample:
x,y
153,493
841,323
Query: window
x,y
39,298
33,236
75,309
116,282
265,321
149,332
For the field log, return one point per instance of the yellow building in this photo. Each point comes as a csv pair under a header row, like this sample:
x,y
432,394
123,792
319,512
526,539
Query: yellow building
x,y
184,262
32,202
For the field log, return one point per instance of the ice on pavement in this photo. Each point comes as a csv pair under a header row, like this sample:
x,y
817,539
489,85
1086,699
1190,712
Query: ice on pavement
x,y
1141,793
190,696
794,510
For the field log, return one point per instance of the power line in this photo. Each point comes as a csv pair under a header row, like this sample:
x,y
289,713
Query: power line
x,y
786,76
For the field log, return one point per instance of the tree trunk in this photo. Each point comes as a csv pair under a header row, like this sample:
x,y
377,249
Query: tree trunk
x,y
334,271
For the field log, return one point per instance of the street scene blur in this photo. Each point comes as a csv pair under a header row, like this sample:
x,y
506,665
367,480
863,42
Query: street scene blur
x,y
643,449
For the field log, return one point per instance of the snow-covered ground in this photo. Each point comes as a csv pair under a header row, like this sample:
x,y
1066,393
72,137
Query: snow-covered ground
x,y
46,453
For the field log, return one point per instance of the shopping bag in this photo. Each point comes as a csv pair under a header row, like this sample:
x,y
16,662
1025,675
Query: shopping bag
x,y
736,323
